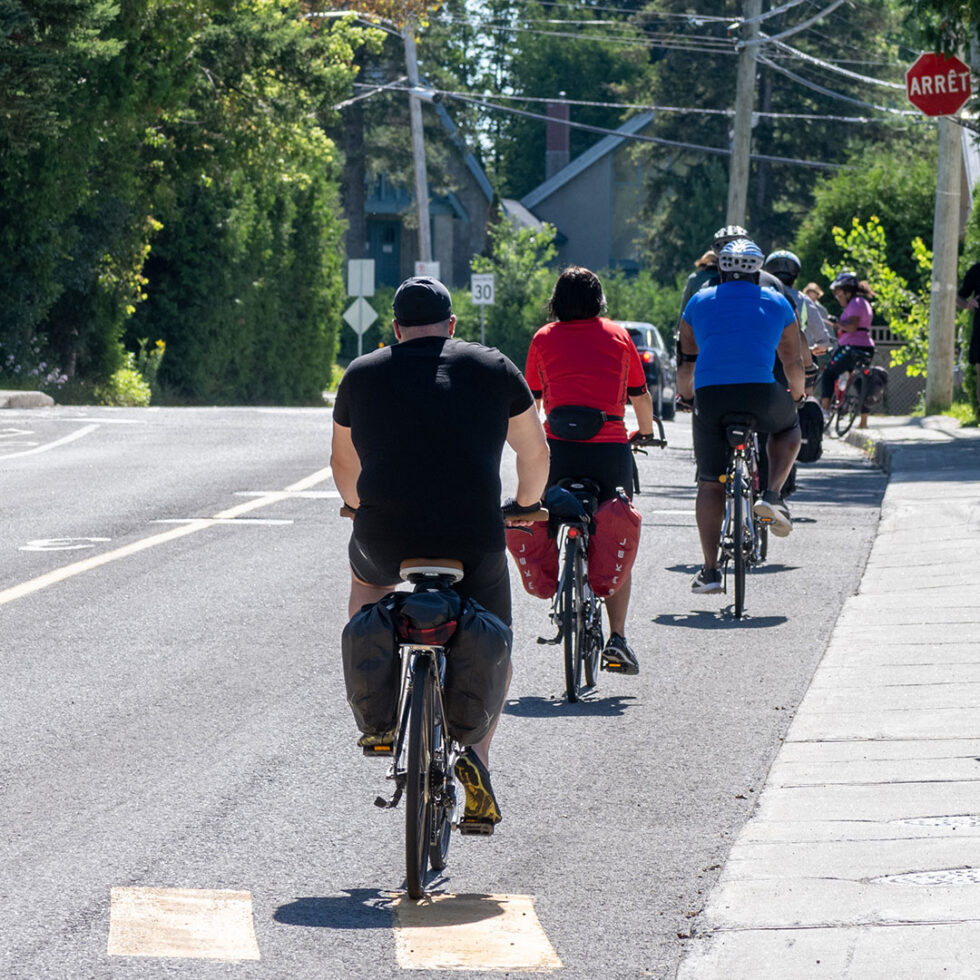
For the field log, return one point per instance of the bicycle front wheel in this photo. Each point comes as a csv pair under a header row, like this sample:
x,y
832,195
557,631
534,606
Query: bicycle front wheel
x,y
418,790
851,405
572,627
738,542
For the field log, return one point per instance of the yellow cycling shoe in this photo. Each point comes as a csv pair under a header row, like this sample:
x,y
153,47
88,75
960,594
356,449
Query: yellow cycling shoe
x,y
481,805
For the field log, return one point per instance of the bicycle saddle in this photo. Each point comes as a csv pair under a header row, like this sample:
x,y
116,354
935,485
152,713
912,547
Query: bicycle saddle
x,y
737,427
419,569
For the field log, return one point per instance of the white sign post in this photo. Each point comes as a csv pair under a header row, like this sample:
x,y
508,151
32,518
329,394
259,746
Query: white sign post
x,y
360,316
360,283
481,293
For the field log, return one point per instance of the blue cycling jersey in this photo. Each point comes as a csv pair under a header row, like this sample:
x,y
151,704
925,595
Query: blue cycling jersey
x,y
737,326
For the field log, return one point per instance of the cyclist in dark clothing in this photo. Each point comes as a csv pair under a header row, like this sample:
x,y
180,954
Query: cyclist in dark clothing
x,y
418,434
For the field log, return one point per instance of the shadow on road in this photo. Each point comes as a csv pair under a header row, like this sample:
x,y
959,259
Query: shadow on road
x,y
591,705
358,908
722,619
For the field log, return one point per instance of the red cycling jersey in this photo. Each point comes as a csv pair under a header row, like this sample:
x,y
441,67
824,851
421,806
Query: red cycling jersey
x,y
586,362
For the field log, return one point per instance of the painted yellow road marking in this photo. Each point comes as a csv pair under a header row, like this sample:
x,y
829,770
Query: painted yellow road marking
x,y
472,932
51,445
96,561
187,922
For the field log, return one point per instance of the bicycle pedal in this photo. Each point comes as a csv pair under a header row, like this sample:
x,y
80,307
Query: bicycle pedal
x,y
475,827
614,667
387,749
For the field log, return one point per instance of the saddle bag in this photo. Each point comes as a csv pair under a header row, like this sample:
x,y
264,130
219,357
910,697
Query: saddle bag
x,y
372,669
535,551
578,423
811,430
477,665
613,544
874,391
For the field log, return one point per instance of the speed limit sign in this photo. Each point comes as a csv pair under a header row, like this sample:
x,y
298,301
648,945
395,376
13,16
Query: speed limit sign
x,y
481,289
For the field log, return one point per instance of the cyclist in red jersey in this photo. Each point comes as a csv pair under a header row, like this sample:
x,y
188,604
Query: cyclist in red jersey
x,y
582,359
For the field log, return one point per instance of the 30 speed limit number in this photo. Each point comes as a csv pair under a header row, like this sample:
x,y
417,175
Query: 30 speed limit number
x,y
481,289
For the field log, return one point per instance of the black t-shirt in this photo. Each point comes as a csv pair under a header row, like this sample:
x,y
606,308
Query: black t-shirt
x,y
971,287
429,418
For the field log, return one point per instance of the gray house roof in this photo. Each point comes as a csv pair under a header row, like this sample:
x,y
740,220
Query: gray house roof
x,y
585,160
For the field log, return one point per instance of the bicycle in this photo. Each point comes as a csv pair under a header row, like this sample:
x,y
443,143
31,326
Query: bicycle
x,y
576,611
745,537
849,393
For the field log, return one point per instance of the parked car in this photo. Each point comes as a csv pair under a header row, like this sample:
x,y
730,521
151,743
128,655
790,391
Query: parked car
x,y
659,364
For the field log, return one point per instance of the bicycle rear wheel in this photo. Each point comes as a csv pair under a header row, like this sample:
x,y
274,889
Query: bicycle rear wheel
x,y
593,639
418,790
851,404
738,536
443,790
572,627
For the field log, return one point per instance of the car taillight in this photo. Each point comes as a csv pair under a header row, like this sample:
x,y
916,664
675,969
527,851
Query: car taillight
x,y
647,356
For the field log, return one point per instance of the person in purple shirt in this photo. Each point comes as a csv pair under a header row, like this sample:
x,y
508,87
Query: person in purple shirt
x,y
853,332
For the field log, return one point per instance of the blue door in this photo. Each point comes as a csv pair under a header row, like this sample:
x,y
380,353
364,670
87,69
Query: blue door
x,y
384,246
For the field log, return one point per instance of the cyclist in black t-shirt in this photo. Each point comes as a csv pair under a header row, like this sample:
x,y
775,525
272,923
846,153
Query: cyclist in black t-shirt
x,y
418,433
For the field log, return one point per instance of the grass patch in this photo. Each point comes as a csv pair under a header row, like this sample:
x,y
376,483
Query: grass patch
x,y
964,412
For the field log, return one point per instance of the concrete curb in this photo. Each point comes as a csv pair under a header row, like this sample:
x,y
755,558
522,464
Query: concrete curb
x,y
25,399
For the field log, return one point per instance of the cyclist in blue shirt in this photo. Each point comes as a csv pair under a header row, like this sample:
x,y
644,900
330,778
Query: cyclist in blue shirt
x,y
729,337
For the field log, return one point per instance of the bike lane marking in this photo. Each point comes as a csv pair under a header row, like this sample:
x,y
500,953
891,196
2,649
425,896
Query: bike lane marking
x,y
472,932
197,923
196,524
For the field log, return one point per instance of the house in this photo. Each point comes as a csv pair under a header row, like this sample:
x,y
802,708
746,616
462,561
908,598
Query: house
x,y
458,220
594,200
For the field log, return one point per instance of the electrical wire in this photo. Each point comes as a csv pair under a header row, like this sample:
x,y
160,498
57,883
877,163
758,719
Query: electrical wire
x,y
827,66
637,137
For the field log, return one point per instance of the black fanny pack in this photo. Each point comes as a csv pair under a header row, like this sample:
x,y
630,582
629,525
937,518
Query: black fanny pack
x,y
578,422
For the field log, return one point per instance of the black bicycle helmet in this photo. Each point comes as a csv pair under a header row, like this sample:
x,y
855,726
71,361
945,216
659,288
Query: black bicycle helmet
x,y
845,279
784,265
741,257
728,234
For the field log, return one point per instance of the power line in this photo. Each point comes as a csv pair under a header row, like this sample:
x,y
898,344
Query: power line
x,y
717,150
803,56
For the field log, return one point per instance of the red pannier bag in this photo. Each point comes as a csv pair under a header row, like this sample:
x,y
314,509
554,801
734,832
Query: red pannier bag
x,y
613,544
536,554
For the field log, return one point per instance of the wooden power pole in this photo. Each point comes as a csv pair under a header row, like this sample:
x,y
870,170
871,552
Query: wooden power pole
x,y
738,173
418,145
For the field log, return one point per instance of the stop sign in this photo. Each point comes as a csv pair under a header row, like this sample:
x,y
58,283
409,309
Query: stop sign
x,y
938,85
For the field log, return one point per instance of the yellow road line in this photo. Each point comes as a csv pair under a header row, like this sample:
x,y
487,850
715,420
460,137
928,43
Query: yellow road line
x,y
164,537
208,924
472,932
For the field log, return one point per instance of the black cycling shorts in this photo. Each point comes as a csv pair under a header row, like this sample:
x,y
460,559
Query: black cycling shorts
x,y
609,464
486,577
771,405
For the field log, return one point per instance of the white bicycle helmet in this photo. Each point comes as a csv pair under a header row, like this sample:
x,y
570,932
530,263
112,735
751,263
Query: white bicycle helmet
x,y
741,256
727,234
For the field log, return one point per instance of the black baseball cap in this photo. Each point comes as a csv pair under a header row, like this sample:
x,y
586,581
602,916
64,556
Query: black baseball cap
x,y
420,301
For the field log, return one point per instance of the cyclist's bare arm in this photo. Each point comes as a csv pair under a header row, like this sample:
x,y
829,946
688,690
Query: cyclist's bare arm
x,y
345,464
686,347
525,435
643,406
792,360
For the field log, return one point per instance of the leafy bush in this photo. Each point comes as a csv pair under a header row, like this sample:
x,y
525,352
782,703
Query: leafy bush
x,y
125,387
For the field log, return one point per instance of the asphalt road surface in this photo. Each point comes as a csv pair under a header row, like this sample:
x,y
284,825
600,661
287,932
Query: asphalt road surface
x,y
180,791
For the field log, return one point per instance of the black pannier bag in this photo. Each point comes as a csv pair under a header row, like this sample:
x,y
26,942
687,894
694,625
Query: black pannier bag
x,y
477,664
578,422
372,669
874,390
811,429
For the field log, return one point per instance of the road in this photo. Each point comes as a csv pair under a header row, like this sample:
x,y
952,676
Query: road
x,y
178,769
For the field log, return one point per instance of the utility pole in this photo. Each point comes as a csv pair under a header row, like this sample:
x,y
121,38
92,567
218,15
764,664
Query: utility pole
x,y
945,248
738,173
418,144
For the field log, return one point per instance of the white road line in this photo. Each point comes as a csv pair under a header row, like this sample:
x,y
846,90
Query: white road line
x,y
193,923
224,520
52,445
472,932
96,561
301,494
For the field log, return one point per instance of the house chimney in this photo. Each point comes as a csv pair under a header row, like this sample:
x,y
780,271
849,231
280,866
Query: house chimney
x,y
556,138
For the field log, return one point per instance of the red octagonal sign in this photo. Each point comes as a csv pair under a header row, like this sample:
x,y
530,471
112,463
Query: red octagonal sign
x,y
938,85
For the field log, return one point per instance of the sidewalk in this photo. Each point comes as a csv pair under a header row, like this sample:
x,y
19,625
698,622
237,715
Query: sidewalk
x,y
862,859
